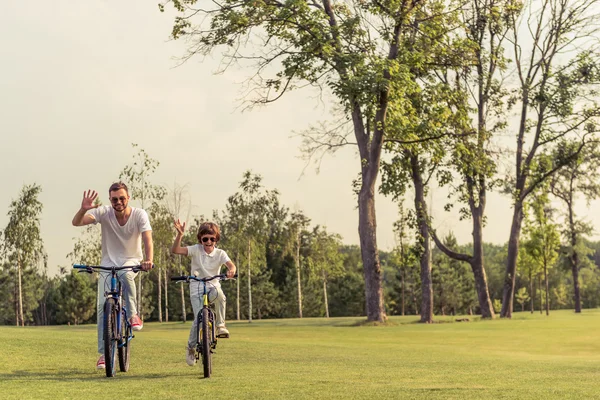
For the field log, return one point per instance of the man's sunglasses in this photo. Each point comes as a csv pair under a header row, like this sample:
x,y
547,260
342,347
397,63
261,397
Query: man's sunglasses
x,y
206,239
115,200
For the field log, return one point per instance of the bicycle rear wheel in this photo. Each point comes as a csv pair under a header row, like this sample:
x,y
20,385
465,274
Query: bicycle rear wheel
x,y
206,336
110,337
125,344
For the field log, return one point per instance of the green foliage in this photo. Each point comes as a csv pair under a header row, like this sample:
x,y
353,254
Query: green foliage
x,y
75,299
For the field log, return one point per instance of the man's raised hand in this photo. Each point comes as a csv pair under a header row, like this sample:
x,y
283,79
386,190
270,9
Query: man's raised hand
x,y
88,200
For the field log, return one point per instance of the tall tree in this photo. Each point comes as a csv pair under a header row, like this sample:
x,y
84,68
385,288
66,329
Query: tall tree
x,y
137,174
22,243
557,70
353,50
298,224
580,177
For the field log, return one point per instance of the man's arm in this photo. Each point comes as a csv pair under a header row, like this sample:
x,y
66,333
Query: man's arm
x,y
148,250
81,218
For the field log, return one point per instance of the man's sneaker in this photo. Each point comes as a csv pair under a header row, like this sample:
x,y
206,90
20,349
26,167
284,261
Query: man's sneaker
x,y
222,332
136,323
100,364
190,357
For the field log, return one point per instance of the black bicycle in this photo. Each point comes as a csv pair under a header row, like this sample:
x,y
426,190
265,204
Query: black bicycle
x,y
117,329
206,341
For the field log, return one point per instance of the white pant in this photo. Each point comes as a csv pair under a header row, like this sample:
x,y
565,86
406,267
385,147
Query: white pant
x,y
129,298
196,289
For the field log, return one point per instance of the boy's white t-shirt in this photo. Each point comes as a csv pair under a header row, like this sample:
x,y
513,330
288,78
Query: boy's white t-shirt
x,y
121,245
207,264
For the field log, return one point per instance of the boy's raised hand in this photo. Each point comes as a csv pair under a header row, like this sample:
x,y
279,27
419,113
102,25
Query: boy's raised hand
x,y
180,227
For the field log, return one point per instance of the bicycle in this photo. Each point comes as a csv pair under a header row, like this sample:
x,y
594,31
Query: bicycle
x,y
206,341
117,329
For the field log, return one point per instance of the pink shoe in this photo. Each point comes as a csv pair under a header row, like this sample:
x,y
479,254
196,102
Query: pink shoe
x,y
136,323
100,364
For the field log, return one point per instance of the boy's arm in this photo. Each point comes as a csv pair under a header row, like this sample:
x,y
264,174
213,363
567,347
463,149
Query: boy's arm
x,y
176,248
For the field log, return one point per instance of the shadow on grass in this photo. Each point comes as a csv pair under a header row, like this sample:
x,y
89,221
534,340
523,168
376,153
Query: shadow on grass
x,y
77,375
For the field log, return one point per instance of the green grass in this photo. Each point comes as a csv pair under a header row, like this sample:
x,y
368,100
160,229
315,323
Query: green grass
x,y
528,357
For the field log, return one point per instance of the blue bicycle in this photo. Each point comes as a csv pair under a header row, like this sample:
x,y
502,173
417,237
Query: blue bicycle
x,y
206,341
117,329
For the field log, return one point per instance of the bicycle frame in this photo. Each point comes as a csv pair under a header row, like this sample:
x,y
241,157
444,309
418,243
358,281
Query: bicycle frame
x,y
120,333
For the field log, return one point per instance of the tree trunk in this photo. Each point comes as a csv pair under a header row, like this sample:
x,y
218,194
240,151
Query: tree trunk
x,y
511,263
367,231
20,297
541,297
166,297
183,312
325,295
547,295
423,224
298,274
237,300
532,293
575,270
249,283
403,278
481,285
160,295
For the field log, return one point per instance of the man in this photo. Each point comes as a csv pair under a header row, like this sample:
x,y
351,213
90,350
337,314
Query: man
x,y
123,230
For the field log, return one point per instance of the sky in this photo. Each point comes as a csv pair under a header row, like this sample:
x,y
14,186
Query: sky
x,y
81,81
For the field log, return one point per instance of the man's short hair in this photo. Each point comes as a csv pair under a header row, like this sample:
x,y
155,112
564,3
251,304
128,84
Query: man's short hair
x,y
118,186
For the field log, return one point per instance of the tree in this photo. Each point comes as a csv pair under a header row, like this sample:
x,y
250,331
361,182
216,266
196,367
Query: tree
x,y
140,188
354,50
23,246
324,259
581,176
544,240
522,297
299,222
554,101
75,299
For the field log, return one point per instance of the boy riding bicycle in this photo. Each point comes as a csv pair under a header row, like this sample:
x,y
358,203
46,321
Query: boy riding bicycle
x,y
206,261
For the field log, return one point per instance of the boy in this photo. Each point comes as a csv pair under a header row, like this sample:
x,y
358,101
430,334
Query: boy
x,y
206,261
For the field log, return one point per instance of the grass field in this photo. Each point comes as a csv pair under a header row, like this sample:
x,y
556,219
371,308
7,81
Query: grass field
x,y
528,357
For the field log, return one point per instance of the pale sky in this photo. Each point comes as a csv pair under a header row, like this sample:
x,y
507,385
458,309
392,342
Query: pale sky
x,y
82,80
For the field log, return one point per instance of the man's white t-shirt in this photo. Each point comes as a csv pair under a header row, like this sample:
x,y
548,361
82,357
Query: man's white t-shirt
x,y
207,264
121,245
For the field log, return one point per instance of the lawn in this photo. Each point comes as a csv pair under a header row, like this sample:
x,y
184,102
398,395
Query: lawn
x,y
528,357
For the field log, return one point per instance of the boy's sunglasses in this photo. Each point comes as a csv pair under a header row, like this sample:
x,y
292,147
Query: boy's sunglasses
x,y
115,200
206,239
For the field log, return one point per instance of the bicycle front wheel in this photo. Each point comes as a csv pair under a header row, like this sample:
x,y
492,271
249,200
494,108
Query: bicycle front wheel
x,y
206,336
110,337
124,344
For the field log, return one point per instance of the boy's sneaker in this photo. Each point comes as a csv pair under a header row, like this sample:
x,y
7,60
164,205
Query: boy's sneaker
x,y
136,323
190,357
222,332
100,364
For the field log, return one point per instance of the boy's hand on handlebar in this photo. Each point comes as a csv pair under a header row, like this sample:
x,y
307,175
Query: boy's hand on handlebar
x,y
146,265
230,273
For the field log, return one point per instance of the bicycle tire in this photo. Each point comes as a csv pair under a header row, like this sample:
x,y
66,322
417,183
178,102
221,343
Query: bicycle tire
x,y
125,349
206,355
110,336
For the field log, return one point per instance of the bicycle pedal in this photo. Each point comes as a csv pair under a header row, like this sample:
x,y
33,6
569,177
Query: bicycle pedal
x,y
223,336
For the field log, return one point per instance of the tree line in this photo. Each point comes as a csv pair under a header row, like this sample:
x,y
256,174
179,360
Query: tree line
x,y
288,266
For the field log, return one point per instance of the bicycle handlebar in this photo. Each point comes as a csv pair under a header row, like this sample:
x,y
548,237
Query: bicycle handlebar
x,y
184,278
91,268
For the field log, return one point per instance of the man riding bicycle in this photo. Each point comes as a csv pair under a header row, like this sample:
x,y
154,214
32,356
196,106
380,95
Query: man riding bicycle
x,y
124,228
